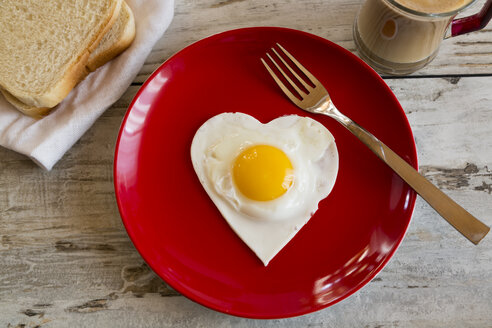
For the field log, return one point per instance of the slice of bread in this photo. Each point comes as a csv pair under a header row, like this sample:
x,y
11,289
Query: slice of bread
x,y
114,42
45,45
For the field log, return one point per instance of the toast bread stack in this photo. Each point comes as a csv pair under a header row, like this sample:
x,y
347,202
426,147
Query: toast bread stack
x,y
49,46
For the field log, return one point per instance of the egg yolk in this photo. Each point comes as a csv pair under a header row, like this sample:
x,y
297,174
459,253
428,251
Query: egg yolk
x,y
263,172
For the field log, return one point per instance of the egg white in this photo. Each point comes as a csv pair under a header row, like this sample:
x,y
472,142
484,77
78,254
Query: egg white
x,y
265,226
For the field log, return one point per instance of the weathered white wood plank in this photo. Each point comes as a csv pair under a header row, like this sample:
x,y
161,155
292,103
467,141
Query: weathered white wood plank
x,y
67,261
330,19
449,117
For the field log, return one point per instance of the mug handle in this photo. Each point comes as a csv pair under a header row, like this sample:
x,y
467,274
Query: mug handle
x,y
474,22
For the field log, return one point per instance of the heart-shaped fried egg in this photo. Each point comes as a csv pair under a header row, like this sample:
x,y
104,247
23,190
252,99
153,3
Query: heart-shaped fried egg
x,y
265,179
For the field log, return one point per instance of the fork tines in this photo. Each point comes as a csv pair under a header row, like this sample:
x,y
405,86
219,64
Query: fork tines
x,y
302,93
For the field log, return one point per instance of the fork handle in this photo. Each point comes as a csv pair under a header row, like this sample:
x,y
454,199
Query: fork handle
x,y
469,226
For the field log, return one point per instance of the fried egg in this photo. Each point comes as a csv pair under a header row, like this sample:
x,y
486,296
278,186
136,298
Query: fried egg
x,y
265,179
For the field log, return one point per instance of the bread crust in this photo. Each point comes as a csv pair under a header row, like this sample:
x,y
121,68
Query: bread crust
x,y
119,46
35,112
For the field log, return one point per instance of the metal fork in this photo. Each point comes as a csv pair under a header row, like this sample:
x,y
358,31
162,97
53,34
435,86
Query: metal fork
x,y
317,100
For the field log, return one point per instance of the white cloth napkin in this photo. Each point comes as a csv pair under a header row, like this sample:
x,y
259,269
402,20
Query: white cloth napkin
x,y
47,139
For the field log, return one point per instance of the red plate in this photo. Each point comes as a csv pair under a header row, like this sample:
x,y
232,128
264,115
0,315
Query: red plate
x,y
176,227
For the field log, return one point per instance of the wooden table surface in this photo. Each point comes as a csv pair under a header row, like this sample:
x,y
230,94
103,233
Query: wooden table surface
x,y
66,260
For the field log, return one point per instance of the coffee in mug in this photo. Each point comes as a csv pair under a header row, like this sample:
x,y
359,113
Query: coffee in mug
x,y
402,36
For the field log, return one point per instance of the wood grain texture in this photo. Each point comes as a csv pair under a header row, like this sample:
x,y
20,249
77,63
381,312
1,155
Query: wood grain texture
x,y
330,19
66,260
